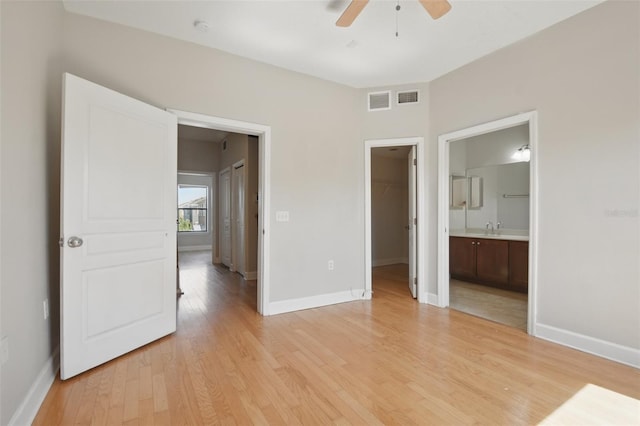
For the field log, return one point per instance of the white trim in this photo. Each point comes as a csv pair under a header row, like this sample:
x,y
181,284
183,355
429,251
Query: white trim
x,y
196,173
264,187
28,408
581,342
530,118
390,261
193,248
251,275
292,305
422,252
432,299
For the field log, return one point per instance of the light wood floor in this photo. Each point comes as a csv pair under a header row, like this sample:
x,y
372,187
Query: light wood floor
x,y
385,361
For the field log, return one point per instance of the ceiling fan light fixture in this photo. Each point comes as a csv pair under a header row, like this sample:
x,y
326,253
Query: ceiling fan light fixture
x,y
435,8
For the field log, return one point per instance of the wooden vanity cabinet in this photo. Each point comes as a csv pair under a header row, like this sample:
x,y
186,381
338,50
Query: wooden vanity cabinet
x,y
519,265
462,257
492,261
489,261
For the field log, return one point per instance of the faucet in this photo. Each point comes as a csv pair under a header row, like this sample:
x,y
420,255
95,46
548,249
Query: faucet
x,y
487,227
498,225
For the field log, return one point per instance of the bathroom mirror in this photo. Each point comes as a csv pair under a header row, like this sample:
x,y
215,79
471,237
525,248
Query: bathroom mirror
x,y
457,191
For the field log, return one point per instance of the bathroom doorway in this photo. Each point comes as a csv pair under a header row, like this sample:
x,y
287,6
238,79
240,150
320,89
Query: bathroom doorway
x,y
487,221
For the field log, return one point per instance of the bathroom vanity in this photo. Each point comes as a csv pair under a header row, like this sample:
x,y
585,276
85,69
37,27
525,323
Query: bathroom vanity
x,y
497,260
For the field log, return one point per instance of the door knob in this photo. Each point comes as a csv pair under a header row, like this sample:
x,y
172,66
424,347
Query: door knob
x,y
74,242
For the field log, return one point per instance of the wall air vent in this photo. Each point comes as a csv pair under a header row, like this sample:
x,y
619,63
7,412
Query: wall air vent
x,y
408,97
379,101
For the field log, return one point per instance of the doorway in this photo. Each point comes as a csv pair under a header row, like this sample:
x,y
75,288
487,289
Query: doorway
x,y
416,250
392,218
473,246
263,134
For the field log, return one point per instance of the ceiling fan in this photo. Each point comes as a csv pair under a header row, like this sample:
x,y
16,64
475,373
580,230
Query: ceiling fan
x,y
435,8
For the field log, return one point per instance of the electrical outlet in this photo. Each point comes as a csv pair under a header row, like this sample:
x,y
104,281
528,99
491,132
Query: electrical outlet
x,y
330,265
4,350
45,307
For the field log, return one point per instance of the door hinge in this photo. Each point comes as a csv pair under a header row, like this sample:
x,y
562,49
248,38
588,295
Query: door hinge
x,y
415,221
415,162
415,280
61,242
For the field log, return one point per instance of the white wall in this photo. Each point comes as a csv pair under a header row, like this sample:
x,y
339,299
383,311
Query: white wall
x,y
584,83
495,147
197,156
31,95
224,85
198,240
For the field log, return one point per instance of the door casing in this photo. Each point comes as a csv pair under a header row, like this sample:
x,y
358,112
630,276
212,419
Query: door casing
x,y
263,133
530,118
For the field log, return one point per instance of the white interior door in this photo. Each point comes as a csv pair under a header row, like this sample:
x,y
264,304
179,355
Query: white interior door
x,y
238,214
225,217
413,282
118,225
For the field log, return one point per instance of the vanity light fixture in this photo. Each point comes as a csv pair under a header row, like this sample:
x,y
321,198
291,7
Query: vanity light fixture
x,y
523,153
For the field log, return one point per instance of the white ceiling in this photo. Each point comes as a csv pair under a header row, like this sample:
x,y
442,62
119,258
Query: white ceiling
x,y
301,35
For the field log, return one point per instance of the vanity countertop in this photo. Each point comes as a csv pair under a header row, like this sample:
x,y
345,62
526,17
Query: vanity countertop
x,y
502,234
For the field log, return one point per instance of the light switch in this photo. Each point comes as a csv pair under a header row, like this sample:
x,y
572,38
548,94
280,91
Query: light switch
x,y
282,216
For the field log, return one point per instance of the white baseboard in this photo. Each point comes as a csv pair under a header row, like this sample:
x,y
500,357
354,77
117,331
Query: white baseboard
x,y
251,275
292,305
601,348
26,412
193,248
391,261
432,299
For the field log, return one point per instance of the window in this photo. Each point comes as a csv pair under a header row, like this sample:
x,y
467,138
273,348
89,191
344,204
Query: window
x,y
193,203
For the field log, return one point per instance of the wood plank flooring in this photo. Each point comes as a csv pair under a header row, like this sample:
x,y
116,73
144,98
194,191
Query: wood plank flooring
x,y
385,361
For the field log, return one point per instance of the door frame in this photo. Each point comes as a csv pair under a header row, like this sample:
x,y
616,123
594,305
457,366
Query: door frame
x,y
263,133
421,247
530,118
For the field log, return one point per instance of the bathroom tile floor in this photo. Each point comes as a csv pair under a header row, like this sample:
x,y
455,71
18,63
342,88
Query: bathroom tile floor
x,y
503,306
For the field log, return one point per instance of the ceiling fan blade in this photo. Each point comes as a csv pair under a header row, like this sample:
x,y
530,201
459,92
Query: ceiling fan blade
x,y
436,8
351,13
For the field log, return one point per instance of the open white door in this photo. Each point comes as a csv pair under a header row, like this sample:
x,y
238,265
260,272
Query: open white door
x,y
413,282
238,215
224,197
118,220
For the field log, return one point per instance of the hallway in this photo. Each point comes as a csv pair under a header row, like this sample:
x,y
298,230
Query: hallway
x,y
385,361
